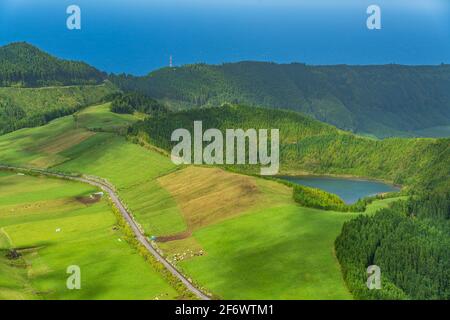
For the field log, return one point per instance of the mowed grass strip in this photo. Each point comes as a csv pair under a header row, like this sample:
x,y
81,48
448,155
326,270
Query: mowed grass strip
x,y
100,117
75,234
154,208
63,141
24,146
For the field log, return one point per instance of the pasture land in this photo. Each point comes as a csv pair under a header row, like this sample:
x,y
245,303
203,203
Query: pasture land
x,y
237,236
49,224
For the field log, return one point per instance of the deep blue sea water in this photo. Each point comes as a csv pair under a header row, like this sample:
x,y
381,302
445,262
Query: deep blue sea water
x,y
137,36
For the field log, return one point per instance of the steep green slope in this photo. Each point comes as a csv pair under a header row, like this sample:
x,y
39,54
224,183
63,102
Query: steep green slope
x,y
30,107
24,65
381,100
308,145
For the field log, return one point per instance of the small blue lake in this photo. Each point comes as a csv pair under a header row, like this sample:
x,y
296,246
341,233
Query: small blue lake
x,y
350,190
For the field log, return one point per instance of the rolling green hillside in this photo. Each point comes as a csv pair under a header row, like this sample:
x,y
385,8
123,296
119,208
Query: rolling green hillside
x,y
24,65
36,87
88,143
207,217
386,100
311,146
30,107
197,205
52,224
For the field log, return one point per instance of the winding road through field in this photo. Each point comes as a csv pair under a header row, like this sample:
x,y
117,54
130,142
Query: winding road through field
x,y
126,215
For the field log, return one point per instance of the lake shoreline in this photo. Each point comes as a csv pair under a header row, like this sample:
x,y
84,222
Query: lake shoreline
x,y
300,174
350,190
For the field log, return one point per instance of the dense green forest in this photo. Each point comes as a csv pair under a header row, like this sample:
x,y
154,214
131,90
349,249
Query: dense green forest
x,y
311,146
387,100
31,107
409,242
136,102
23,65
36,87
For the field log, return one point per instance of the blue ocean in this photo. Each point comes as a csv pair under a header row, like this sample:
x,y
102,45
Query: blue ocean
x,y
138,36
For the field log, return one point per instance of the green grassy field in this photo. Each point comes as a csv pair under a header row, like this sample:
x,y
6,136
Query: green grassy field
x,y
32,209
279,252
271,249
131,168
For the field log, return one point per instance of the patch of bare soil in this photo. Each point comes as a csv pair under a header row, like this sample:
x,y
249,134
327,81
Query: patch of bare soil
x,y
93,198
210,195
13,254
178,236
63,142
